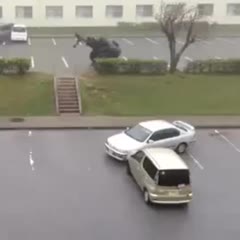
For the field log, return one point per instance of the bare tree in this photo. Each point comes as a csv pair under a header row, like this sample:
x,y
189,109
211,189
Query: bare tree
x,y
173,19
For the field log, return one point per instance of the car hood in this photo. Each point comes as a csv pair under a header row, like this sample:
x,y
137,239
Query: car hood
x,y
122,142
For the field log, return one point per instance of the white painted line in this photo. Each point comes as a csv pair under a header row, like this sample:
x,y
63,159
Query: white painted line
x,y
127,41
180,42
54,42
226,41
196,161
227,140
4,43
151,41
188,59
29,133
65,62
29,41
124,58
155,58
31,160
204,41
32,62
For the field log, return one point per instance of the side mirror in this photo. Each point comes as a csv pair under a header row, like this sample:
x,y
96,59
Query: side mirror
x,y
127,128
150,141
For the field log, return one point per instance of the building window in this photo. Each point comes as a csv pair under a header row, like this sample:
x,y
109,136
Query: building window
x,y
205,9
54,12
171,8
233,9
23,12
144,10
84,11
114,11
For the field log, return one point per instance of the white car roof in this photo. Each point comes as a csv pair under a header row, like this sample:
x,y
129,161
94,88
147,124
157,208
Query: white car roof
x,y
19,25
165,158
155,125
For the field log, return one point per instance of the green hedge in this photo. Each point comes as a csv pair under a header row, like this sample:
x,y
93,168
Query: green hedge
x,y
228,66
14,66
130,66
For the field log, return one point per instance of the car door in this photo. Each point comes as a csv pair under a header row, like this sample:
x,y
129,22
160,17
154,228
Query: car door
x,y
148,174
168,138
135,165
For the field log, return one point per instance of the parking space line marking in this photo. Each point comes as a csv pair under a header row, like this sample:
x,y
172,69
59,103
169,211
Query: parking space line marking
x,y
54,42
204,41
29,41
224,40
188,59
32,62
180,42
65,62
4,43
127,41
227,140
155,58
152,41
196,161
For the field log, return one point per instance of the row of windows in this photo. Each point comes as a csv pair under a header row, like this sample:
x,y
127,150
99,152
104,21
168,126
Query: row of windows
x,y
232,9
116,11
111,11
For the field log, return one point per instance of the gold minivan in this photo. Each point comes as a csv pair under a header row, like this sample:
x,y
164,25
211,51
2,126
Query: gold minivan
x,y
162,175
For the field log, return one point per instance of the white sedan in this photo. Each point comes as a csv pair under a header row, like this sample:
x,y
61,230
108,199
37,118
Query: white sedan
x,y
155,133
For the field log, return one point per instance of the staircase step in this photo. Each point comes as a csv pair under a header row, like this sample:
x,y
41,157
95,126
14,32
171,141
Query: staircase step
x,y
71,105
69,110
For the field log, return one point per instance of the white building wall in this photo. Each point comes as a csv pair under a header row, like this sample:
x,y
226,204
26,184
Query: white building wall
x,y
99,18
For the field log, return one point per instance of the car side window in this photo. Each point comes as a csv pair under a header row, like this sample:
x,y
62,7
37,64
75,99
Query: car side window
x,y
159,135
149,167
172,132
138,156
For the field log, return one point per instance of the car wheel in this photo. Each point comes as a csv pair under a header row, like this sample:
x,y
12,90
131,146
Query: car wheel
x,y
128,170
146,197
181,148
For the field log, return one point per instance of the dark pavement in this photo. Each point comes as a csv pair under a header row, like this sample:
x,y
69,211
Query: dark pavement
x,y
57,56
76,192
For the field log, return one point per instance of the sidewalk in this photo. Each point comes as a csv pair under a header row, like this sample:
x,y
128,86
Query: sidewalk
x,y
98,122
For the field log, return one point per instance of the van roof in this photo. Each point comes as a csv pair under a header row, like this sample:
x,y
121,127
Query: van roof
x,y
165,158
19,25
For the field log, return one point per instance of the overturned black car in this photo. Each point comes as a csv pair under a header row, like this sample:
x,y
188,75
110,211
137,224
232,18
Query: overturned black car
x,y
101,47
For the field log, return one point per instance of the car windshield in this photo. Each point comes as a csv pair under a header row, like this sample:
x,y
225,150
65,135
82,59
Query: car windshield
x,y
19,29
138,133
174,177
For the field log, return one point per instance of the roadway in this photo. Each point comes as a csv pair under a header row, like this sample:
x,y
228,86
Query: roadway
x,y
59,185
57,56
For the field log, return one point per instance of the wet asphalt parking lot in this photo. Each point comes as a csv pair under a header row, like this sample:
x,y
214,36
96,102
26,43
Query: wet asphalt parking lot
x,y
57,56
58,185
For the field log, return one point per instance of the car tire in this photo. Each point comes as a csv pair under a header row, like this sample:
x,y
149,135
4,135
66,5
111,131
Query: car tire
x,y
146,197
128,170
181,148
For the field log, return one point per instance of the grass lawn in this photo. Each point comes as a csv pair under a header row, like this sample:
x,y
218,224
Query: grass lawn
x,y
178,94
27,95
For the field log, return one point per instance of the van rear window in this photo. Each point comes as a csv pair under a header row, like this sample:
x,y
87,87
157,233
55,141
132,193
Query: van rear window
x,y
173,177
19,29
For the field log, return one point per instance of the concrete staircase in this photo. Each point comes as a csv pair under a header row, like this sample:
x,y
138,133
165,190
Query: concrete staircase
x,y
67,95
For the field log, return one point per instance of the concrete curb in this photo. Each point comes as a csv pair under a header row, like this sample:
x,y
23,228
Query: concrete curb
x,y
111,122
110,35
142,35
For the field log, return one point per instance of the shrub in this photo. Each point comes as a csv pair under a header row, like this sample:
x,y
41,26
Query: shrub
x,y
131,66
228,66
14,66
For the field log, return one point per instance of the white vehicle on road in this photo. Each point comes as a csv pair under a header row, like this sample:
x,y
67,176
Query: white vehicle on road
x,y
19,33
155,133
